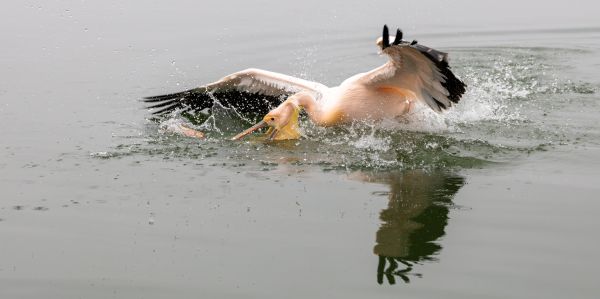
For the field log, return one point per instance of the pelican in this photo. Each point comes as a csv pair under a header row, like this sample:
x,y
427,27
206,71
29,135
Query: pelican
x,y
413,73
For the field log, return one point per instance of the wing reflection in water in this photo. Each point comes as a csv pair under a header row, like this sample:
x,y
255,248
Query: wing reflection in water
x,y
415,218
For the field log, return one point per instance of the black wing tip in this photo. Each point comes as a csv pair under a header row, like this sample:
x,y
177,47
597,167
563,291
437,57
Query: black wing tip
x,y
167,110
455,87
174,101
196,100
162,104
398,37
169,96
385,37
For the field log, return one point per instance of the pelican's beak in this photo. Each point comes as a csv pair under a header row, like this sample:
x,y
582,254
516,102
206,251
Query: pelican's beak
x,y
257,126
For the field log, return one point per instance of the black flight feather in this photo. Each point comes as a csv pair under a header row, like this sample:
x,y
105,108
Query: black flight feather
x,y
386,37
398,37
198,99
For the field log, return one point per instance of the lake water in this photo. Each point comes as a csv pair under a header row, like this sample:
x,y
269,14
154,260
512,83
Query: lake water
x,y
497,198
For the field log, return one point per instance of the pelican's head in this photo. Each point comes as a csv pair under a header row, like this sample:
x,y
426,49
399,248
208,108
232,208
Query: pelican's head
x,y
282,122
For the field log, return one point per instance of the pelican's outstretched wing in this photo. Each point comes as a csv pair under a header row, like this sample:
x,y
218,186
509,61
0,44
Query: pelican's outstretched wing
x,y
248,91
418,68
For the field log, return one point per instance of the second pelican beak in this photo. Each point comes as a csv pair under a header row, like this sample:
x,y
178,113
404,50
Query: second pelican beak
x,y
257,126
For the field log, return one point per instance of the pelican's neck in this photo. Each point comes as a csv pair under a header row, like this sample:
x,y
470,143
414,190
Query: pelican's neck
x,y
309,104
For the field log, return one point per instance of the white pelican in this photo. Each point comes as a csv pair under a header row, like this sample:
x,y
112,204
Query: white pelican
x,y
413,73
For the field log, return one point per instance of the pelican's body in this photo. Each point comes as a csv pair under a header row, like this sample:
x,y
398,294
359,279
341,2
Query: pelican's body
x,y
413,73
354,100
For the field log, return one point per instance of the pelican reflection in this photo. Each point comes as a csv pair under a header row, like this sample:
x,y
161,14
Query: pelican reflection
x,y
413,221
